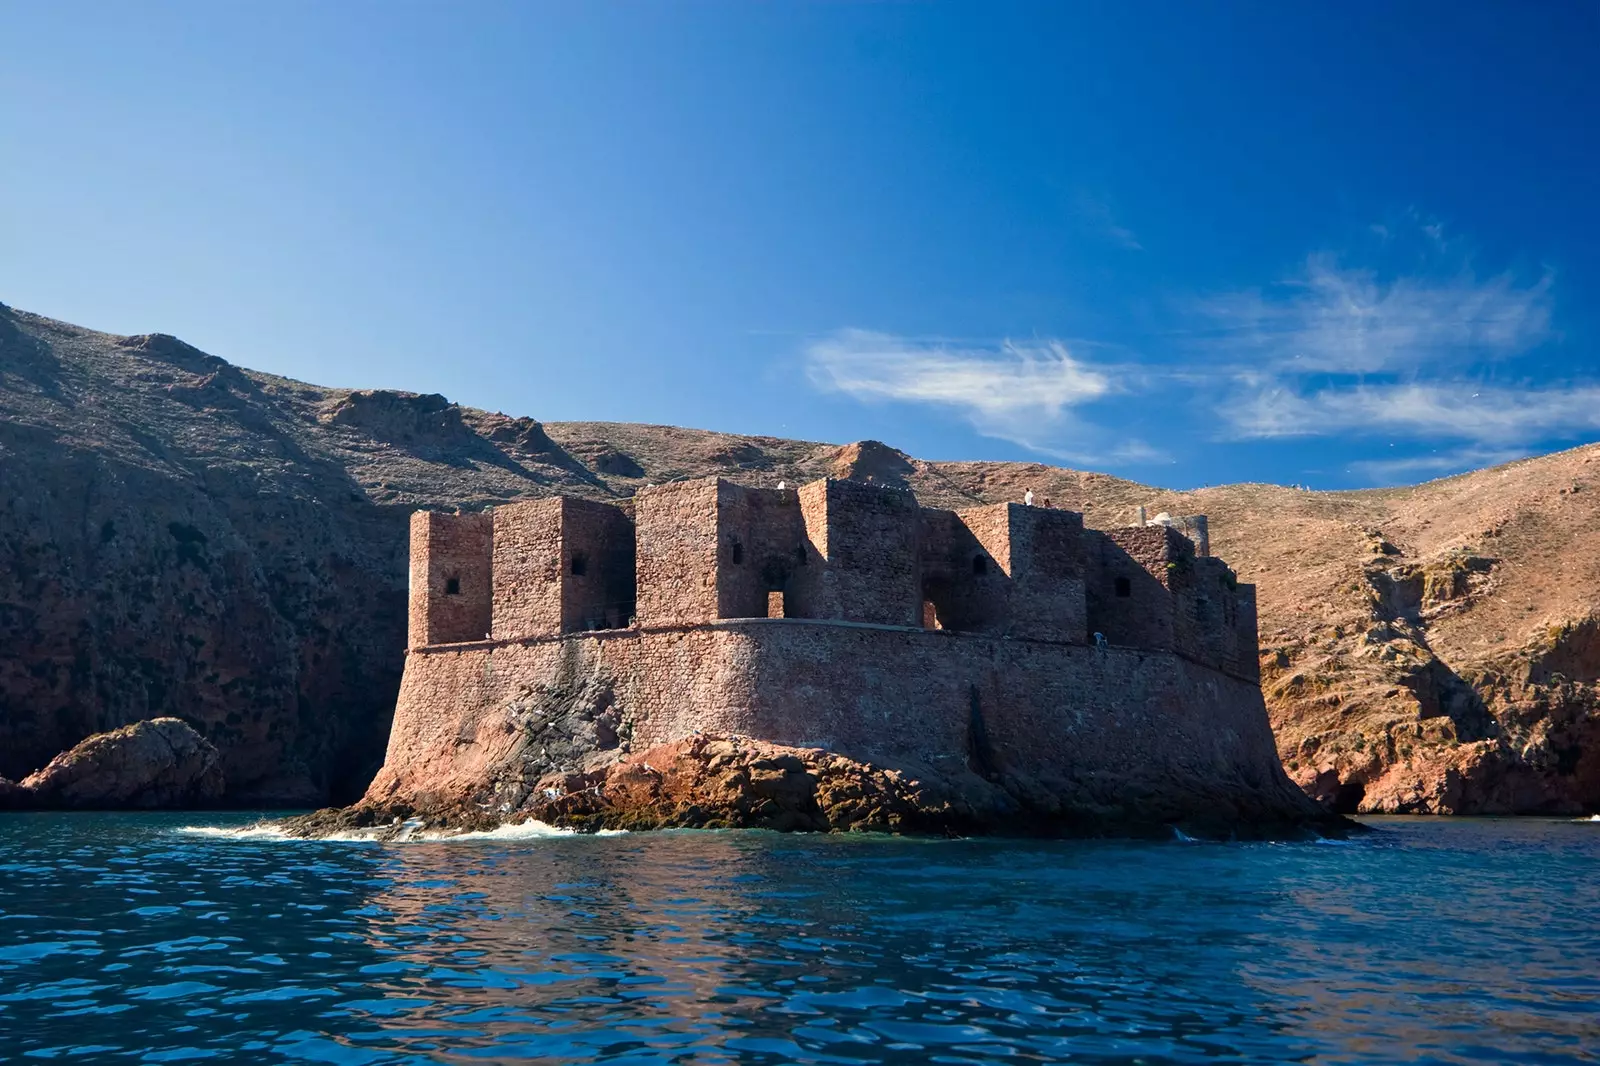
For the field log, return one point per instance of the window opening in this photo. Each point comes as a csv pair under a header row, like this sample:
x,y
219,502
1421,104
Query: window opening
x,y
737,554
452,586
980,564
580,564
800,555
1124,587
930,616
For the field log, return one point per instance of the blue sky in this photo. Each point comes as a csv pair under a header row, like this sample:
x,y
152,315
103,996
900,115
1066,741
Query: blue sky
x,y
1337,245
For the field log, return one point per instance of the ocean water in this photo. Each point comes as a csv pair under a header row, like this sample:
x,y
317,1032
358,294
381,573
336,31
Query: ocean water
x,y
161,938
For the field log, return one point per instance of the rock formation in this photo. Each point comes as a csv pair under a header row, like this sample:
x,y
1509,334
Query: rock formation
x,y
182,536
158,763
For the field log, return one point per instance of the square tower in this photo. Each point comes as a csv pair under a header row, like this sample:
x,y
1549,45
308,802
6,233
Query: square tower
x,y
561,565
450,578
865,537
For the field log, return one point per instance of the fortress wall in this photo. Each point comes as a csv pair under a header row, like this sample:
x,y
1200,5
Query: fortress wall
x,y
527,569
597,566
678,552
1086,726
450,577
1244,660
464,713
1122,728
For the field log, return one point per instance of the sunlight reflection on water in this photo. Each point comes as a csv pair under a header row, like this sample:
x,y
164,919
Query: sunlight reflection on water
x,y
1470,941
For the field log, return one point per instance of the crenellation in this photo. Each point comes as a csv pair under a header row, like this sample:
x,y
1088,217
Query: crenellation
x,y
698,552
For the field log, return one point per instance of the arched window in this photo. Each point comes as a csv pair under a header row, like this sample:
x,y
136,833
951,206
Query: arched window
x,y
1124,587
579,565
980,564
452,586
736,554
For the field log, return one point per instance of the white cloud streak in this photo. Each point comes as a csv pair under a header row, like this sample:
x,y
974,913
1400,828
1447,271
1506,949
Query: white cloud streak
x,y
1446,410
1021,392
994,385
1438,464
1336,319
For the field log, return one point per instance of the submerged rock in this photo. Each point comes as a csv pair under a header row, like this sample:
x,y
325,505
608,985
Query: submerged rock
x,y
12,795
156,763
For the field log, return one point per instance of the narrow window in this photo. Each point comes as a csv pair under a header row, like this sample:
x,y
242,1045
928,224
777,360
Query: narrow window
x,y
452,586
580,564
1124,587
738,553
980,564
800,555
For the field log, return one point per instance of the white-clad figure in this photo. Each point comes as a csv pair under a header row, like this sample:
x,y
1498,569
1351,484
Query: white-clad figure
x,y
780,484
1027,497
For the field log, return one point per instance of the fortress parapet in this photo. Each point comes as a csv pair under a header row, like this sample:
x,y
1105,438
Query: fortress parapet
x,y
696,552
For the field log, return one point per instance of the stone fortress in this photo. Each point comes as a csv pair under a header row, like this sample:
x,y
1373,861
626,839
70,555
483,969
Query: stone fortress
x,y
1065,670
701,552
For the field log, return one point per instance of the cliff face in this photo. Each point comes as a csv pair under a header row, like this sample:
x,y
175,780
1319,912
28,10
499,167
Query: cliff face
x,y
179,536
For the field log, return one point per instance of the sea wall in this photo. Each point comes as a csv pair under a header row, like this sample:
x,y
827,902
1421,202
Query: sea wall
x,y
1145,735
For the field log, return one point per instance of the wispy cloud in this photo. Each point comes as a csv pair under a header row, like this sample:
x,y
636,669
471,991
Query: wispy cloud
x,y
1422,354
1099,215
1339,319
1444,410
1022,392
1436,464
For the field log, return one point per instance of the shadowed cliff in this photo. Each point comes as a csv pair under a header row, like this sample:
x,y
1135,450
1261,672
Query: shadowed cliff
x,y
179,536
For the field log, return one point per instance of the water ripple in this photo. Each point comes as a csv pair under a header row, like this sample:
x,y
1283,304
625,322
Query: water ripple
x,y
124,939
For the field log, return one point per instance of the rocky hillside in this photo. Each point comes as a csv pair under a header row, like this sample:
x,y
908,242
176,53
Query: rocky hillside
x,y
179,536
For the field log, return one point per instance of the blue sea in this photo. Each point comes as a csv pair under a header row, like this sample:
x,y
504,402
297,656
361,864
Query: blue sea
x,y
170,938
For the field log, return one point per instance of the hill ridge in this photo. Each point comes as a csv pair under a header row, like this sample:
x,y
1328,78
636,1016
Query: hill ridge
x,y
181,535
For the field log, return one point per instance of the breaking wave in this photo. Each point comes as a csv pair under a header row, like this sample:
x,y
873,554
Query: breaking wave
x,y
411,832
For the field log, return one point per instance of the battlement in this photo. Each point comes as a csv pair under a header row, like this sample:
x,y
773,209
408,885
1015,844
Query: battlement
x,y
695,552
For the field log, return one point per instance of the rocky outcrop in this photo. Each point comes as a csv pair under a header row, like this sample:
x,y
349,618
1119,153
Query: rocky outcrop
x,y
160,763
731,782
12,795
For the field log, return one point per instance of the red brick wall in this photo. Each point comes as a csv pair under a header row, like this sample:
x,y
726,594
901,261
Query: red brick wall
x,y
446,548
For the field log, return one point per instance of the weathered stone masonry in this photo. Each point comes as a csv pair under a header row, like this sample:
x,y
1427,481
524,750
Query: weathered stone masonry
x,y
697,552
836,615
